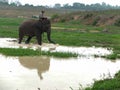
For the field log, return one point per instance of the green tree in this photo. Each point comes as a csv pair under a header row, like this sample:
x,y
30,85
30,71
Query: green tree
x,y
57,5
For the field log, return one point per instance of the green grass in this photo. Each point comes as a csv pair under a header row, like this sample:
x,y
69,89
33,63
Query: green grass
x,y
10,21
107,84
77,26
9,27
30,52
76,38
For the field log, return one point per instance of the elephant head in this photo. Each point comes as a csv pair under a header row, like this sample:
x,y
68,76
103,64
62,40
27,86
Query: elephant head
x,y
46,27
32,28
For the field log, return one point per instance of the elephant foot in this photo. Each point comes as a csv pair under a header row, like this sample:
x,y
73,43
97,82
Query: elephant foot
x,y
26,42
19,42
52,42
40,44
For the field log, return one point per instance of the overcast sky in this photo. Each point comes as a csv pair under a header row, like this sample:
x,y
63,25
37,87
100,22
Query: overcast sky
x,y
52,2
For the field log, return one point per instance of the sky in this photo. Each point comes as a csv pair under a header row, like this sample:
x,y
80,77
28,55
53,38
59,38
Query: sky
x,y
70,2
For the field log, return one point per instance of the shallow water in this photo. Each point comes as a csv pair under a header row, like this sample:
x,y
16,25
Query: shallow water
x,y
81,51
48,73
45,73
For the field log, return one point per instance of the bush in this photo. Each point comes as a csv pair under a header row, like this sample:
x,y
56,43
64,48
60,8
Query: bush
x,y
62,20
55,16
117,22
96,21
88,15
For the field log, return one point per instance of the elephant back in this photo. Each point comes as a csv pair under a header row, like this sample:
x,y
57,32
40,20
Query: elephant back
x,y
45,21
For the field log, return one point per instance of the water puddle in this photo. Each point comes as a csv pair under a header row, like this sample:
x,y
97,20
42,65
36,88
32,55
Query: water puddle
x,y
45,73
48,73
81,51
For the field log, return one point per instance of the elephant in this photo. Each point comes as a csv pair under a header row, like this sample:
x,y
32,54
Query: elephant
x,y
36,28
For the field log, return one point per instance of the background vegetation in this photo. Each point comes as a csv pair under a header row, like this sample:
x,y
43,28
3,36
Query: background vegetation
x,y
75,5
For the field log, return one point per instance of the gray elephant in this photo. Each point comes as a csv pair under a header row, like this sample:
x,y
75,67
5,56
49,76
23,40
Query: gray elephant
x,y
36,28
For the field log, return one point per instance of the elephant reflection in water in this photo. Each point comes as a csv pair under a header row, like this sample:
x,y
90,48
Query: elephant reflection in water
x,y
40,63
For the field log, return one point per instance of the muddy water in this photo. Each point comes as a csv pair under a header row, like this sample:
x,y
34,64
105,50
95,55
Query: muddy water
x,y
45,73
81,51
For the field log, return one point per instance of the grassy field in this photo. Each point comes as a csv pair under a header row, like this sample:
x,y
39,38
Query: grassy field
x,y
70,34
9,27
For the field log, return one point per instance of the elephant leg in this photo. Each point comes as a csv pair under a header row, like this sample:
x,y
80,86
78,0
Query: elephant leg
x,y
39,39
28,40
49,39
20,38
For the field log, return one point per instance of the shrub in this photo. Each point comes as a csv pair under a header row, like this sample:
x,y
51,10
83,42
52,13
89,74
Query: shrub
x,y
96,21
117,22
55,16
88,15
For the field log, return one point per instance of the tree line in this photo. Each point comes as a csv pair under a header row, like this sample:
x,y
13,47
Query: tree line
x,y
82,6
75,5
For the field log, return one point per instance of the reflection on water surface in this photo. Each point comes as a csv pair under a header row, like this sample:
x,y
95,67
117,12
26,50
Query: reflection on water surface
x,y
41,64
32,73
